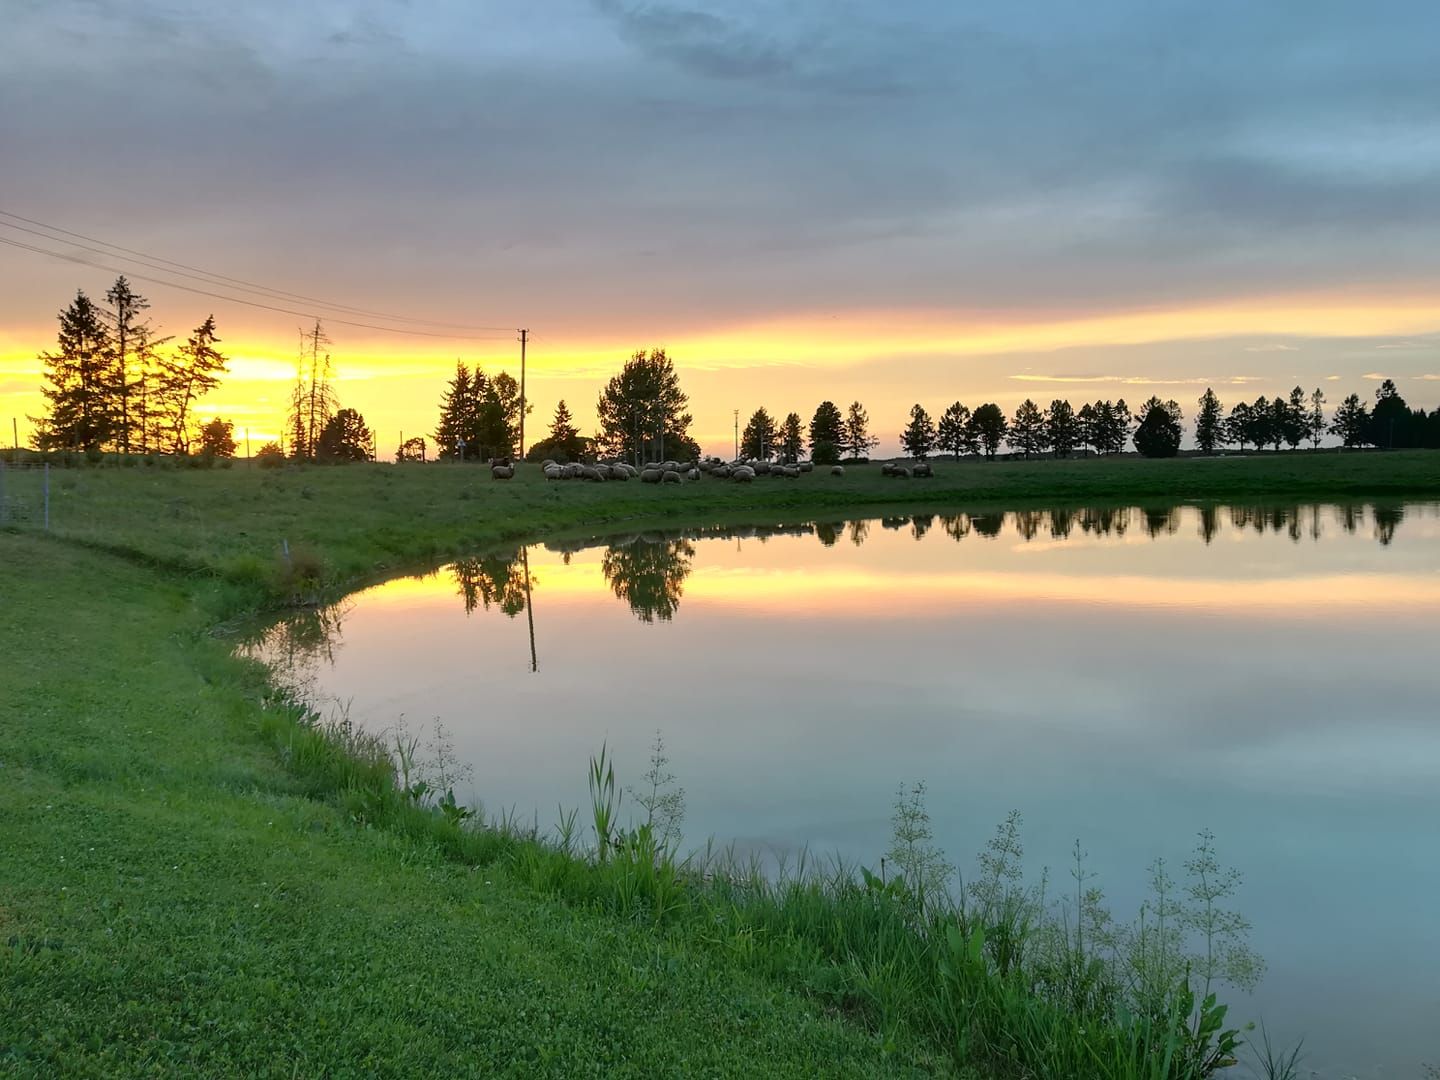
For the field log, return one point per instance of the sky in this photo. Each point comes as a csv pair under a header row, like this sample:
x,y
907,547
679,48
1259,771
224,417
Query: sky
x,y
800,199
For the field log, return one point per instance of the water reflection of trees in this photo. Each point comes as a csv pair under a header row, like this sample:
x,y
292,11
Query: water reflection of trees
x,y
296,647
492,581
649,574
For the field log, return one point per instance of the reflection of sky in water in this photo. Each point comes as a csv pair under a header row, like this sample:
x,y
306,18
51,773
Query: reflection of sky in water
x,y
1277,685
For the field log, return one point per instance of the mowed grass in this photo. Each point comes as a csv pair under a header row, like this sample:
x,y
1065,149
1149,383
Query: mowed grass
x,y
171,904
175,899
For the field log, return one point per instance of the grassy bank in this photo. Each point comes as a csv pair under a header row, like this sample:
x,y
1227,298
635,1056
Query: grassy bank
x,y
196,881
362,521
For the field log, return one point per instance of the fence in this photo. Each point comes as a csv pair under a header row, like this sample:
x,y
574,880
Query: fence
x,y
25,496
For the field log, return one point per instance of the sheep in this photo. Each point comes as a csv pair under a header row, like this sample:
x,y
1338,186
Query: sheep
x,y
693,474
589,473
620,472
743,474
837,470
923,468
650,476
670,476
603,471
722,471
762,468
806,466
502,472
554,472
547,463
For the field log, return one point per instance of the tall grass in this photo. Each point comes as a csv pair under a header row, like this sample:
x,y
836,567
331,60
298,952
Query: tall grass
x,y
992,971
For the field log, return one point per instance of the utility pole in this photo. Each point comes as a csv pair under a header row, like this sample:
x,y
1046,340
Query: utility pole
x,y
524,338
247,443
15,433
737,435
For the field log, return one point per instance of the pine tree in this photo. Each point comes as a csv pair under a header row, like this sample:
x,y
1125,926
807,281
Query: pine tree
x,y
1027,429
1159,432
792,438
184,377
1297,418
1209,423
1315,420
954,434
757,443
827,433
312,402
458,409
988,428
132,355
1062,428
1352,422
858,440
76,385
918,438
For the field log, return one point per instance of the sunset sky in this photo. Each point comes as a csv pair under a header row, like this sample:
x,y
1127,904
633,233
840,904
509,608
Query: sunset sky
x,y
799,199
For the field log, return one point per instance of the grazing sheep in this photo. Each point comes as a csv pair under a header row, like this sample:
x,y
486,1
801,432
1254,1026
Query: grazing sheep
x,y
722,471
792,472
670,476
503,462
887,469
901,472
554,472
547,463
502,472
650,476
619,472
923,469
603,471
762,468
837,470
806,466
693,474
588,473
743,474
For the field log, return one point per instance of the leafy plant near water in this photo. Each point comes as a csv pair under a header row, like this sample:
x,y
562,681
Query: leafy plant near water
x,y
995,973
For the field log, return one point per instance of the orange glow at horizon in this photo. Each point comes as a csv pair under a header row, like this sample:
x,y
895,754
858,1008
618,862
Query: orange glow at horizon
x,y
396,386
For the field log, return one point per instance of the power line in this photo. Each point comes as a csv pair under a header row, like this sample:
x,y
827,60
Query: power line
x,y
210,278
249,303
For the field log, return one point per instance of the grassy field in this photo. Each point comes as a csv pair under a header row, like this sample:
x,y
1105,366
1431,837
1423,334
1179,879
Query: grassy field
x,y
193,882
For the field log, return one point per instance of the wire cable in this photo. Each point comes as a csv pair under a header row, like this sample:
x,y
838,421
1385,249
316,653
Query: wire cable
x,y
220,280
249,303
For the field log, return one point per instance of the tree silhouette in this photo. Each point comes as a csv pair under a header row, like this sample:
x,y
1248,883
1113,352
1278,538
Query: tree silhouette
x,y
1159,432
1389,418
827,434
918,438
191,372
954,433
1027,429
345,437
1315,419
792,438
76,387
1352,422
457,434
989,427
1062,428
642,410
412,449
758,441
217,438
1209,423
858,440
132,344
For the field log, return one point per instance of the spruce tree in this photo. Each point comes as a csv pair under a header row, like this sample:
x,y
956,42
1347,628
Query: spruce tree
x,y
1062,428
1027,429
77,383
1209,423
918,438
953,434
792,438
858,440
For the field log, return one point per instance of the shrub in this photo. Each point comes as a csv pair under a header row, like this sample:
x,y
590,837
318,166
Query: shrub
x,y
270,456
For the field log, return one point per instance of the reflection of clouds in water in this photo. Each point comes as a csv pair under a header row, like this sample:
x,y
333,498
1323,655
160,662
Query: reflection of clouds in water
x,y
1340,761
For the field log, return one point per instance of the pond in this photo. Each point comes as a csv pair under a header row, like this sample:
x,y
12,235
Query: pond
x,y
1121,676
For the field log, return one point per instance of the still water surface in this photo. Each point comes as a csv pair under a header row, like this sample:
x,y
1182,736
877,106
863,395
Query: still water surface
x,y
1124,677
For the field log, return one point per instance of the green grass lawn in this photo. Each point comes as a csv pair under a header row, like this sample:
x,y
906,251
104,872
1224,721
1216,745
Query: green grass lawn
x,y
175,899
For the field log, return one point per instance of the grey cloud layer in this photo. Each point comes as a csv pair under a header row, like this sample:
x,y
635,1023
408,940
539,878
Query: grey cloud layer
x,y
744,158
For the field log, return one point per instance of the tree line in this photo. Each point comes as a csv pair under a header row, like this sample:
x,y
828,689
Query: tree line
x,y
111,385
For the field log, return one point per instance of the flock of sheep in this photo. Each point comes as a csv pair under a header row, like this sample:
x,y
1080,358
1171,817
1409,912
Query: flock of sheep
x,y
664,472
678,472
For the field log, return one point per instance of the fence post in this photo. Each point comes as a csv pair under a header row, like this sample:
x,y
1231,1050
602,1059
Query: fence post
x,y
47,496
3,512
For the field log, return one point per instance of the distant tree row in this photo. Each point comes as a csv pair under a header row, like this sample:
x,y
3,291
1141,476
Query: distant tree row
x,y
110,385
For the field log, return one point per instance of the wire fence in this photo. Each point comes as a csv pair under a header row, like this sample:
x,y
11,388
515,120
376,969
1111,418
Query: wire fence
x,y
25,495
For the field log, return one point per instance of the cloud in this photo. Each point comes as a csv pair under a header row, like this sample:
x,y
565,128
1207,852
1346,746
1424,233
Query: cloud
x,y
1374,376
17,386
1273,347
1140,380
1404,345
1429,377
1332,378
